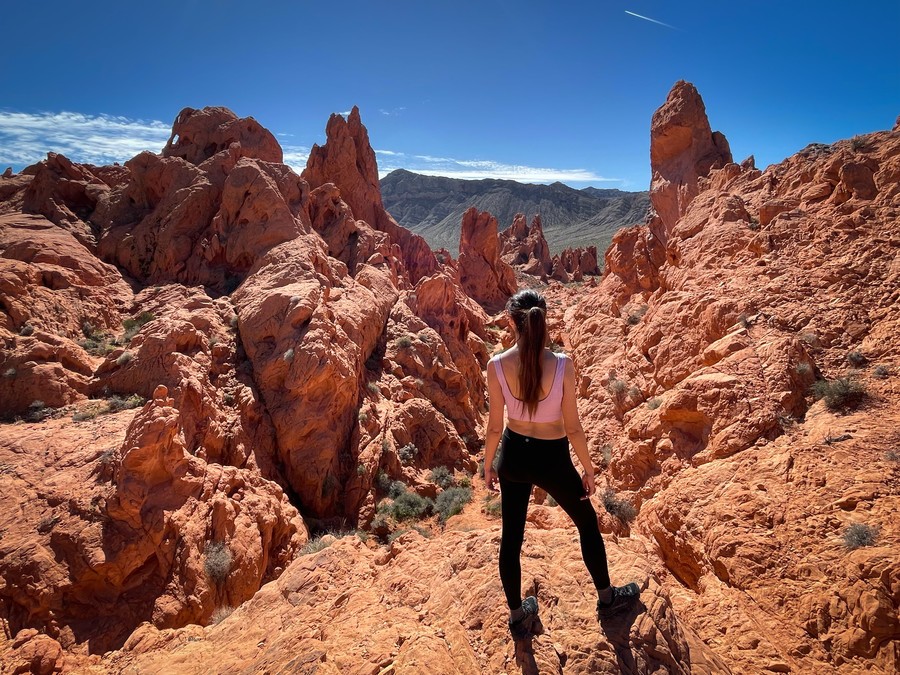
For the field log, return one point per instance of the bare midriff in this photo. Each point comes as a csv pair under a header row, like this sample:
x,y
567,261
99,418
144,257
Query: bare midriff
x,y
543,430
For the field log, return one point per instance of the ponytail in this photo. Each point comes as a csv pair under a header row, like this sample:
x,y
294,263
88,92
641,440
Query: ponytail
x,y
531,353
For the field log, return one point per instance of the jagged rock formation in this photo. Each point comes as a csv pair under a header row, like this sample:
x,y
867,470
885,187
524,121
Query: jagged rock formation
x,y
289,351
525,248
432,206
694,357
698,350
683,149
348,161
575,264
484,276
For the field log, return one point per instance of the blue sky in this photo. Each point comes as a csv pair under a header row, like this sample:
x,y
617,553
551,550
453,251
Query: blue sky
x,y
528,90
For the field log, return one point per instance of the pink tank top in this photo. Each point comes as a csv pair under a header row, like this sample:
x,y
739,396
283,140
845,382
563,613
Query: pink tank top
x,y
549,408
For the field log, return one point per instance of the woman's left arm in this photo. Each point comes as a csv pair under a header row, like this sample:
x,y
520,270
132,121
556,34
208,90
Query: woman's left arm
x,y
494,425
574,430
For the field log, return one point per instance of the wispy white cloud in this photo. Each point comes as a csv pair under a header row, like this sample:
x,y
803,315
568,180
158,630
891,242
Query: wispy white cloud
x,y
26,138
476,169
392,111
295,156
389,153
647,18
345,113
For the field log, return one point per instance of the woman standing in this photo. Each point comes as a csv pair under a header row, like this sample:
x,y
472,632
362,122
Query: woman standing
x,y
537,389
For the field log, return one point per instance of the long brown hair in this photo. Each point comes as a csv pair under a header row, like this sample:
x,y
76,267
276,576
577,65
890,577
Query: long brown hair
x,y
528,310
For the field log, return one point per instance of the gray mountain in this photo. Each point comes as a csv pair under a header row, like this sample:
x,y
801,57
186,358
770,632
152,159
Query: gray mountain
x,y
432,206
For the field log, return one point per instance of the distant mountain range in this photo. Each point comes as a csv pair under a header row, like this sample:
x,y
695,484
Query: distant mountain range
x,y
432,206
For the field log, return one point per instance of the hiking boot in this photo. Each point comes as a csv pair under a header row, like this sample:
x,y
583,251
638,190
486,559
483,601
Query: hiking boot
x,y
623,598
523,628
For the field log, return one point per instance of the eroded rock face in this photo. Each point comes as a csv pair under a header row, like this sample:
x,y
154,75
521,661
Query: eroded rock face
x,y
197,135
484,276
348,161
683,149
696,354
525,248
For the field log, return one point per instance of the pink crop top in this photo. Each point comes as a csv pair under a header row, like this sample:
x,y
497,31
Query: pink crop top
x,y
549,408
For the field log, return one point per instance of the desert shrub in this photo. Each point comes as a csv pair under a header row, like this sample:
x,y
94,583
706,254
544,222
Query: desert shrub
x,y
218,561
86,415
396,489
410,506
360,470
385,444
404,341
37,411
620,508
857,143
329,485
804,369
383,481
451,502
753,224
839,394
315,545
47,524
233,321
616,386
362,416
228,398
288,355
654,403
133,325
407,453
550,501
810,340
9,373
373,387
465,481
220,615
881,372
26,329
858,535
634,318
634,392
492,505
856,358
441,476
892,456
124,358
117,403
424,531
606,453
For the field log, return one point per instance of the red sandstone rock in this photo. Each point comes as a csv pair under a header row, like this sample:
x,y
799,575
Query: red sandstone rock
x,y
197,135
525,248
683,149
348,161
483,275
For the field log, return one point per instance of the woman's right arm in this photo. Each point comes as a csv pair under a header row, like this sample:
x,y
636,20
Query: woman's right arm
x,y
494,424
574,430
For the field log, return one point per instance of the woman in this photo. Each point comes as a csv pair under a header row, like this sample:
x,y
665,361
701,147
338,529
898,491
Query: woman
x,y
537,388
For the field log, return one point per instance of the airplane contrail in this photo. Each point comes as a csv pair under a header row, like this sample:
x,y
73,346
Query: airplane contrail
x,y
647,18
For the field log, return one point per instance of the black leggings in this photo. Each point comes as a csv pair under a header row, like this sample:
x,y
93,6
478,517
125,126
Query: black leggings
x,y
523,462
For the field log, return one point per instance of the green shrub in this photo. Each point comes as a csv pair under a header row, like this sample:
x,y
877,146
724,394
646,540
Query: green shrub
x,y
133,325
218,561
396,489
360,470
396,534
441,476
856,358
620,508
881,372
124,358
26,329
37,412
635,317
410,506
373,387
362,416
606,453
492,505
383,482
404,341
118,403
892,456
654,403
315,545
465,481
857,143
220,615
804,369
451,502
616,386
858,535
839,394
634,392
407,453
